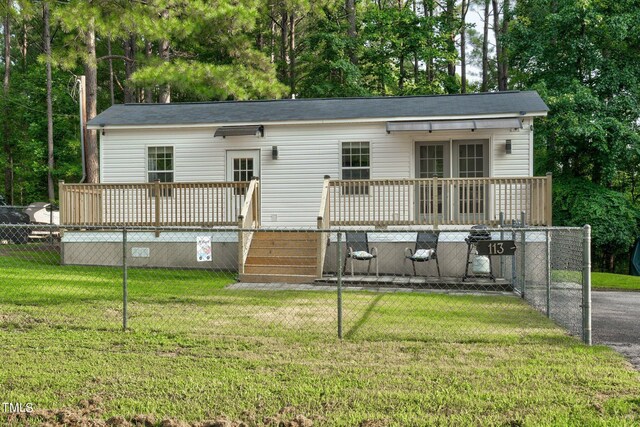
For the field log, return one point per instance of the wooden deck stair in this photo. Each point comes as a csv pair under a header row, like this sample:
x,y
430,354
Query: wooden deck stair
x,y
281,257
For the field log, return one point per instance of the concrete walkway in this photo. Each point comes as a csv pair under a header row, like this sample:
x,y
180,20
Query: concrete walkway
x,y
615,318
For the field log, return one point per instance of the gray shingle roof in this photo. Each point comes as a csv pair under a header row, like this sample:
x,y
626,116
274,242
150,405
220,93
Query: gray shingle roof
x,y
229,112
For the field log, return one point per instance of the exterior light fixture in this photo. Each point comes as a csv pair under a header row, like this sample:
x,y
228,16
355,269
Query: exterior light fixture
x,y
274,152
507,147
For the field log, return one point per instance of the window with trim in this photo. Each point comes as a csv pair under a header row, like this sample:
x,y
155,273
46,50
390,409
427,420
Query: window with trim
x,y
160,166
356,164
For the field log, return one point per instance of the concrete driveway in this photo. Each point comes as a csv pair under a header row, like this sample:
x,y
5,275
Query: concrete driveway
x,y
615,318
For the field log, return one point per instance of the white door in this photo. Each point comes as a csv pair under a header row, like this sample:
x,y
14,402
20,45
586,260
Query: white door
x,y
432,160
242,165
471,160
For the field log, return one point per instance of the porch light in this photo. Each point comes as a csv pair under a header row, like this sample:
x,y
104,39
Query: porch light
x,y
274,152
507,147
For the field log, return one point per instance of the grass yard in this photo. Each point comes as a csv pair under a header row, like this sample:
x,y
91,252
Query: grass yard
x,y
600,281
197,351
619,282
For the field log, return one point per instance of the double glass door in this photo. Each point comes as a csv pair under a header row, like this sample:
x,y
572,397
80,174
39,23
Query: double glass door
x,y
451,159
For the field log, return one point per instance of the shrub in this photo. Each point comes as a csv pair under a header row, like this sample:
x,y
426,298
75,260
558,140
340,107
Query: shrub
x,y
613,218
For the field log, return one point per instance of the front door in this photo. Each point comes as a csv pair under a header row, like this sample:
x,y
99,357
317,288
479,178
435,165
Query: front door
x,y
242,165
432,160
471,160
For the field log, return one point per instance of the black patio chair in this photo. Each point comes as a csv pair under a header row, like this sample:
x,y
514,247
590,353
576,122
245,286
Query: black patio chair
x,y
426,249
358,249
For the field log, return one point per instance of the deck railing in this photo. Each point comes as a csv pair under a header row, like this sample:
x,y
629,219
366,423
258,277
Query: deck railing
x,y
249,218
440,201
152,204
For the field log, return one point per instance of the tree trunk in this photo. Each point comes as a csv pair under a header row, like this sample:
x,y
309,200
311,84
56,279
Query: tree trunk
x,y
504,30
401,77
8,169
24,45
428,11
111,88
496,31
485,48
612,263
164,95
350,6
47,52
284,41
463,45
451,42
292,54
272,35
129,68
148,91
500,29
90,71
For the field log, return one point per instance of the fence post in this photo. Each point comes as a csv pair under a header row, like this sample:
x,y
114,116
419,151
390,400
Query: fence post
x,y
548,261
586,285
523,236
339,274
514,258
434,203
501,238
124,279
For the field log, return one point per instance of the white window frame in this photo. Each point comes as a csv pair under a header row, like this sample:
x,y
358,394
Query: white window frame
x,y
358,190
167,192
173,162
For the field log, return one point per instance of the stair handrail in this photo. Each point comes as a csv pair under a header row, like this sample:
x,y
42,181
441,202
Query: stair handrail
x,y
249,218
324,223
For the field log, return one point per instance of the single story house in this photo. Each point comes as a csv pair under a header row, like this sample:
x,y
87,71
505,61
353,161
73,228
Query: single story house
x,y
419,161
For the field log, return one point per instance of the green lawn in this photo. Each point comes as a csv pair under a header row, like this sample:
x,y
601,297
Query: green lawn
x,y
600,281
198,351
620,282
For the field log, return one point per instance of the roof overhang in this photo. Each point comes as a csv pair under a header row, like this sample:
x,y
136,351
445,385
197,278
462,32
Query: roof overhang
x,y
214,124
251,130
448,125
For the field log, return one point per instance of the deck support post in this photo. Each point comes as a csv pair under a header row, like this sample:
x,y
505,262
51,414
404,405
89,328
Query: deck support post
x,y
548,202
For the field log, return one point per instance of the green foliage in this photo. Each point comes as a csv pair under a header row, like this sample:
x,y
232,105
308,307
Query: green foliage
x,y
212,81
613,218
584,58
27,120
395,38
327,70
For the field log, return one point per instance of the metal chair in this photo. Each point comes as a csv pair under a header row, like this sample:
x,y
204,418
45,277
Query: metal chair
x,y
426,249
358,249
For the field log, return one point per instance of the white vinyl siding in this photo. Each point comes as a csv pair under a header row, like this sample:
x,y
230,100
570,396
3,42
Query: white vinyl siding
x,y
291,184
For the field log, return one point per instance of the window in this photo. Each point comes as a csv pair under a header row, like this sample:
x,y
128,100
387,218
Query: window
x,y
356,165
160,166
242,171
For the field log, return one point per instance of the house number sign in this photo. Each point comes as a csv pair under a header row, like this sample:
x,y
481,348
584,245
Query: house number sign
x,y
496,247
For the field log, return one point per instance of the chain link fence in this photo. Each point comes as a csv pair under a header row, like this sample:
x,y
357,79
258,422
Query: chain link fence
x,y
451,284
